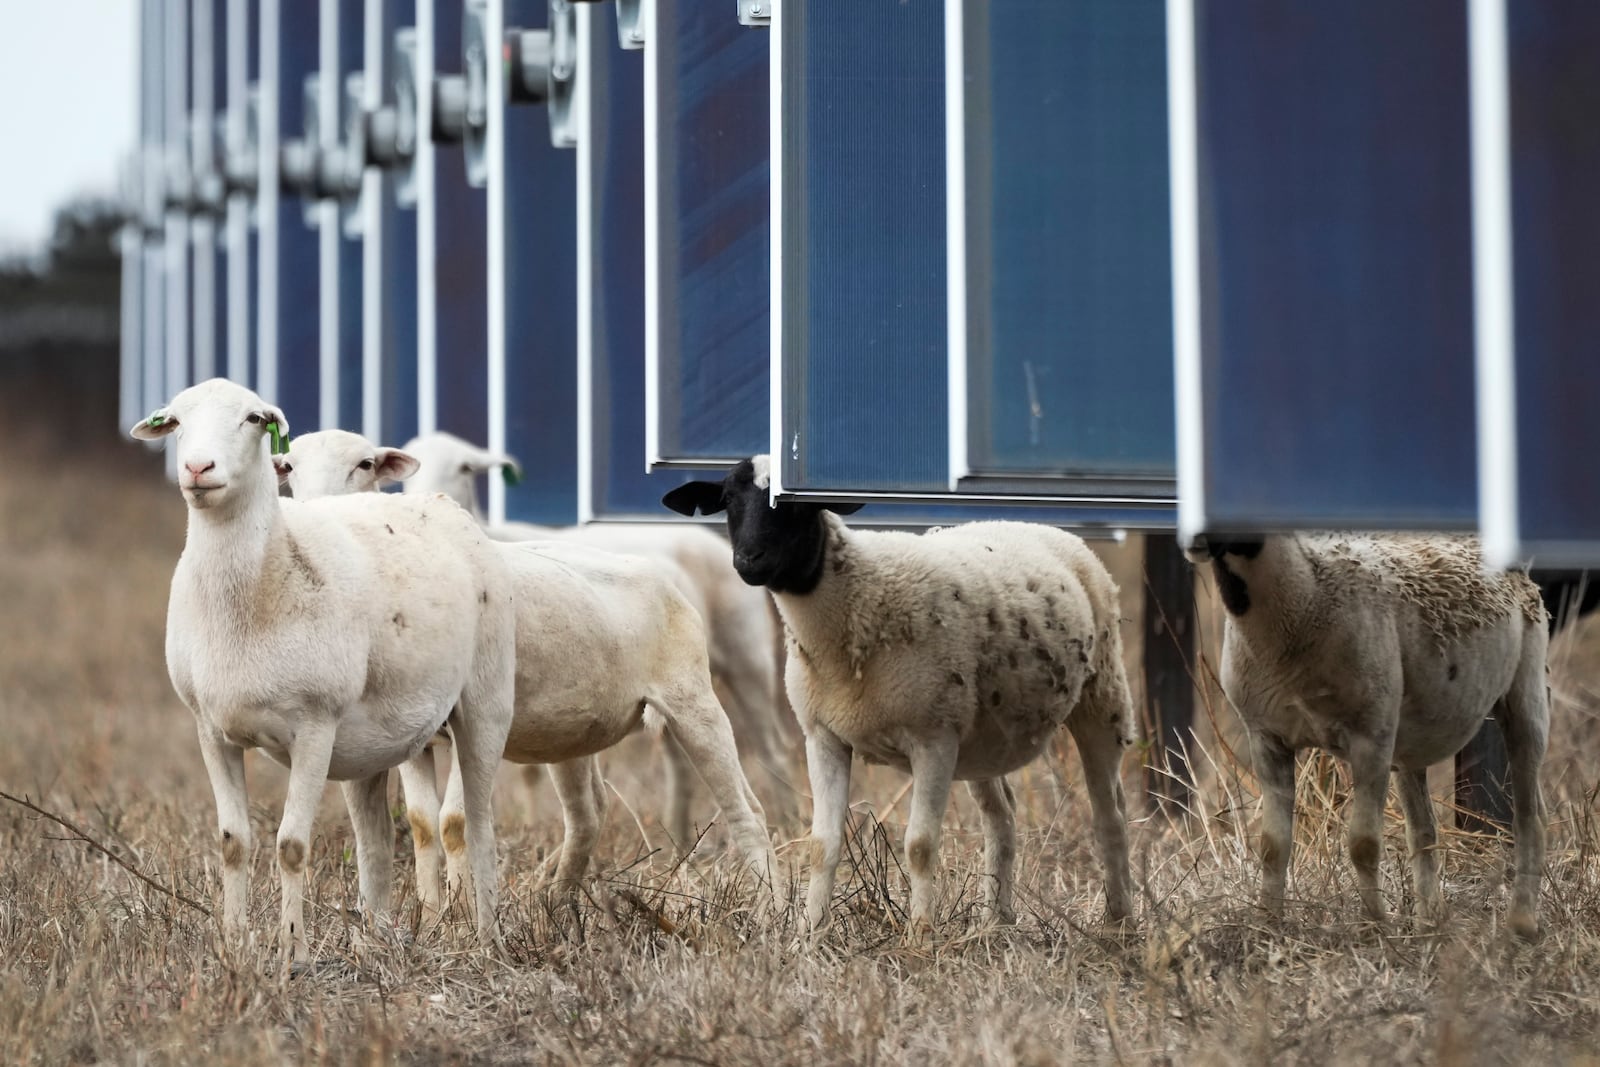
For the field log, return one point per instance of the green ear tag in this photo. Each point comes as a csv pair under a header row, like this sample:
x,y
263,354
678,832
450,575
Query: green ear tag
x,y
155,419
509,475
280,440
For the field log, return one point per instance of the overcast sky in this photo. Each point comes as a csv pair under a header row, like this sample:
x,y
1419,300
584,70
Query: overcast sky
x,y
67,79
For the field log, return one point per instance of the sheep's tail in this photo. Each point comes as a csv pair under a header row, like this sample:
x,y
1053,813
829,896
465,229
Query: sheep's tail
x,y
654,721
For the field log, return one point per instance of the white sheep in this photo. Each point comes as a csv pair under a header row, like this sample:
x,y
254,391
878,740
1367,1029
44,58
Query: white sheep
x,y
338,637
1389,651
604,641
954,654
744,637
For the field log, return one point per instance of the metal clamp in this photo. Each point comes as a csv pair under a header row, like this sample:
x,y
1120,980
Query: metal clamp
x,y
240,161
541,67
630,23
756,12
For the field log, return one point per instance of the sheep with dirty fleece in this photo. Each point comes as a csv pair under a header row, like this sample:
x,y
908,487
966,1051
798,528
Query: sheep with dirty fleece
x,y
338,636
1389,651
605,643
954,654
744,637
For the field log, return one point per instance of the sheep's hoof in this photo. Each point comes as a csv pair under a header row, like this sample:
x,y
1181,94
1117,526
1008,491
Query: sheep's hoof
x,y
919,932
1524,924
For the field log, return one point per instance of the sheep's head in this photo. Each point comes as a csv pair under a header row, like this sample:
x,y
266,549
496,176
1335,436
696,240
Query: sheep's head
x,y
776,544
451,466
337,462
220,433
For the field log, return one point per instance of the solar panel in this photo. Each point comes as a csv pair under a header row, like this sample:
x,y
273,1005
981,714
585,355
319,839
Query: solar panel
x,y
456,259
179,333
614,481
1325,297
1545,382
859,287
242,53
531,198
707,219
290,298
1061,339
207,72
389,232
341,250
149,391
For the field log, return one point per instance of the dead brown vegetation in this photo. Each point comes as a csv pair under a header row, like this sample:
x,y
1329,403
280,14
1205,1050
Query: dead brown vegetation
x,y
663,961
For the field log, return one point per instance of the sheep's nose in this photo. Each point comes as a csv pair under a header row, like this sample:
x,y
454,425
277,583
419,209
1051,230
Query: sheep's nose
x,y
742,558
197,469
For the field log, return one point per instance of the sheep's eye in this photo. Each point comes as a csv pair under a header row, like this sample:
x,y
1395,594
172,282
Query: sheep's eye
x,y
254,418
466,468
365,465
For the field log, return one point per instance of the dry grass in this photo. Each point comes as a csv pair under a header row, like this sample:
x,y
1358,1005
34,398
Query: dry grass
x,y
665,963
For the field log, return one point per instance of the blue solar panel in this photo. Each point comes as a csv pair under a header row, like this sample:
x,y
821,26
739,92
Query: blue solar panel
x,y
152,122
398,388
541,308
352,23
1068,272
297,254
1555,175
1335,258
714,216
619,486
460,265
864,358
864,362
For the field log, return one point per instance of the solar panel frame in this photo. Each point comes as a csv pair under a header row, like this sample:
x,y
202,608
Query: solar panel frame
x,y
1042,217
1537,161
706,224
910,77
1390,145
533,268
289,271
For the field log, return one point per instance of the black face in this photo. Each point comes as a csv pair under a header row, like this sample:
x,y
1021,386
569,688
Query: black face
x,y
782,547
1242,545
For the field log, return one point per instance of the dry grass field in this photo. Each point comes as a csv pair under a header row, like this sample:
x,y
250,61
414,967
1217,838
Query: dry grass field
x,y
97,966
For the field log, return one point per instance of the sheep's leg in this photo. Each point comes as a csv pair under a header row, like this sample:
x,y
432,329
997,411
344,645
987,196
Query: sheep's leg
x,y
828,764
933,768
1369,776
453,835
480,740
309,755
225,767
368,801
574,782
1274,767
997,806
1100,750
701,727
679,789
1422,836
528,778
418,783
1525,721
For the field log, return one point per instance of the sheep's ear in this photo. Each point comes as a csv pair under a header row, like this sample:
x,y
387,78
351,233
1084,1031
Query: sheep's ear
x,y
277,427
158,423
395,466
510,470
283,466
706,497
844,509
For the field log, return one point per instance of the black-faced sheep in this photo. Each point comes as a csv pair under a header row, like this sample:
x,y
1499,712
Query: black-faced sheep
x,y
955,654
1389,651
